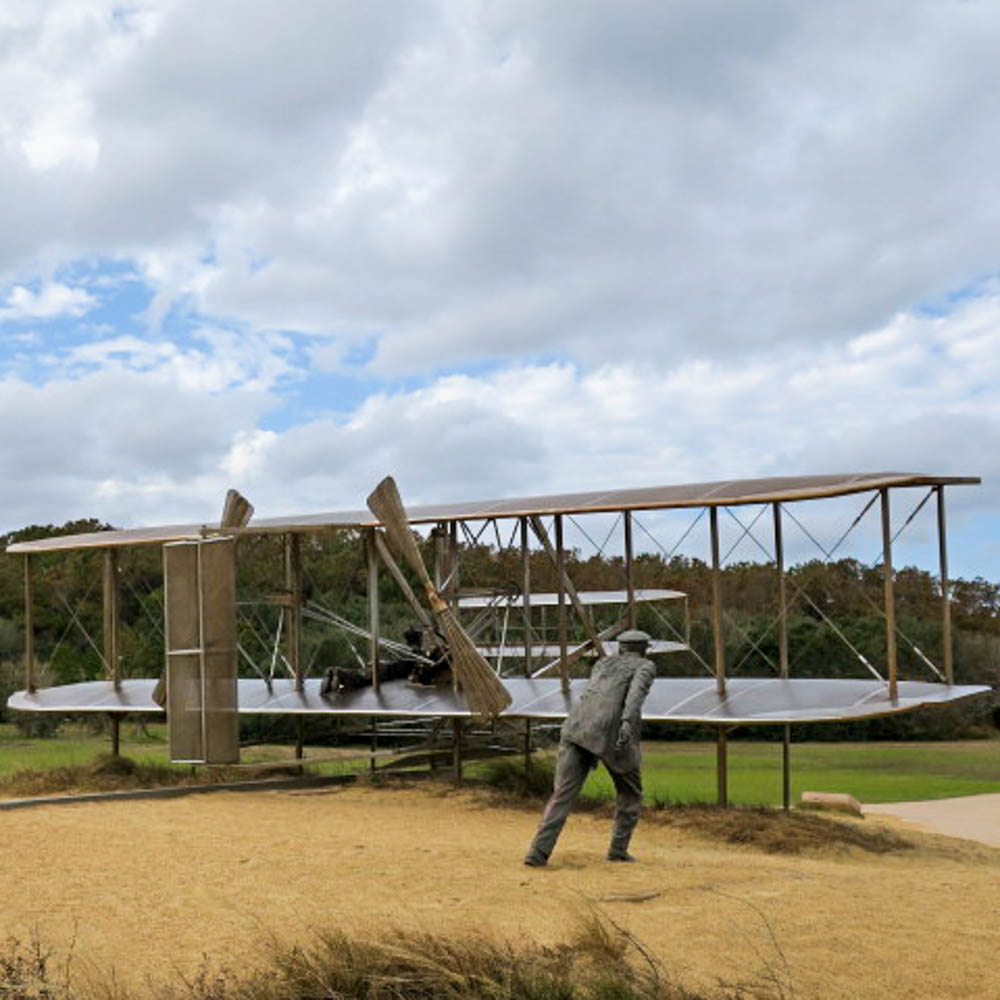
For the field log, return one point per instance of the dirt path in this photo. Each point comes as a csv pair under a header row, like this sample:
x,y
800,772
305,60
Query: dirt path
x,y
150,887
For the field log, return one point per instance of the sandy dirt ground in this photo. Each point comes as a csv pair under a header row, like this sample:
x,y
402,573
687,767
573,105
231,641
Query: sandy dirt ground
x,y
150,887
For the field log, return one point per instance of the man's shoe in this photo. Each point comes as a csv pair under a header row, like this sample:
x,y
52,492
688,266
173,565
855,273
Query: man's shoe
x,y
536,861
620,856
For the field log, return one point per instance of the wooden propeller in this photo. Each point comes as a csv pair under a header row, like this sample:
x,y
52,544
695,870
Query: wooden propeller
x,y
485,694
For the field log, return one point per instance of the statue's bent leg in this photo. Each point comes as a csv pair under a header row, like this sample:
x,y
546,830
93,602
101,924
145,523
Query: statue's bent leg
x,y
628,785
572,768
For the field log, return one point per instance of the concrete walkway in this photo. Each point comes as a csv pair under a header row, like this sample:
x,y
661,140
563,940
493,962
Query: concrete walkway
x,y
972,817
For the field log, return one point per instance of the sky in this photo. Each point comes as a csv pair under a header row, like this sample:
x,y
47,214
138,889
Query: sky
x,y
495,249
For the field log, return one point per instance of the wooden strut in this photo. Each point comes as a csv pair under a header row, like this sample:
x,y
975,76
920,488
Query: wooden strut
x,y
720,647
786,739
456,759
721,755
29,627
110,638
538,528
397,574
293,609
110,627
945,589
890,603
526,595
371,551
722,767
561,605
292,612
629,570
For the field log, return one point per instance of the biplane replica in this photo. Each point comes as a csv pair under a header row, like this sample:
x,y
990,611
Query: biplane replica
x,y
520,667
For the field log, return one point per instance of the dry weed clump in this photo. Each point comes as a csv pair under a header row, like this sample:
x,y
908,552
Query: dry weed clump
x,y
516,785
420,966
602,962
28,973
777,831
106,774
109,773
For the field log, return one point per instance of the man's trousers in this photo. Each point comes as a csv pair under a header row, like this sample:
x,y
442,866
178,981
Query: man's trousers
x,y
572,768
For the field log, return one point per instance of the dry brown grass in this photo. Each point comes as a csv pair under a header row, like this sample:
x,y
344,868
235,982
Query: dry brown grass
x,y
777,831
602,961
109,773
106,774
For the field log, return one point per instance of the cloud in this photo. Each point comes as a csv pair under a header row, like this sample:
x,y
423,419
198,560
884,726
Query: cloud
x,y
51,300
465,182
555,246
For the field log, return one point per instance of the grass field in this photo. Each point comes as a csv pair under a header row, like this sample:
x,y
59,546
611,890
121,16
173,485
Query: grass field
x,y
871,772
672,772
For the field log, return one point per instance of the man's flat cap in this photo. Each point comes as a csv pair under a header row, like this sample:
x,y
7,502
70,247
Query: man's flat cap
x,y
633,637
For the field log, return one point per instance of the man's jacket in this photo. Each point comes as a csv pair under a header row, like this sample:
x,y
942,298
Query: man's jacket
x,y
617,687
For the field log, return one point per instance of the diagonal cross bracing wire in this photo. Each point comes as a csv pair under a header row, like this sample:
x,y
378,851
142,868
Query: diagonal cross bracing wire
x,y
75,620
826,618
678,543
746,530
652,607
857,584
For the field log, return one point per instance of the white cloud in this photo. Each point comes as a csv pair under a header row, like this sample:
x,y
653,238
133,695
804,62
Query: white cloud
x,y
137,440
537,429
51,300
468,181
603,243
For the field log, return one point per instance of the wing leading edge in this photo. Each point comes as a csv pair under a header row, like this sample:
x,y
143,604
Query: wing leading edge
x,y
748,701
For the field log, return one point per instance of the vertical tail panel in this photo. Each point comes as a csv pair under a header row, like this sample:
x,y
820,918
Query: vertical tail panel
x,y
200,590
218,623
183,636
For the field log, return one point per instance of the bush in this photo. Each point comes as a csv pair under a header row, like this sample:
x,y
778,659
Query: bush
x,y
510,777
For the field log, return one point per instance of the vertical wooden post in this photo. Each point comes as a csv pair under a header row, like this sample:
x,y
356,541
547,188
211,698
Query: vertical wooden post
x,y
720,646
374,744
945,589
779,559
293,609
526,595
293,626
722,768
456,750
561,605
440,540
786,740
721,759
110,629
890,602
453,570
110,638
29,627
371,552
629,569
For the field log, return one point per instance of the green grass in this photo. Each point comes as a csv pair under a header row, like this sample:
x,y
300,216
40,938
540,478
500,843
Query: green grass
x,y
871,772
75,746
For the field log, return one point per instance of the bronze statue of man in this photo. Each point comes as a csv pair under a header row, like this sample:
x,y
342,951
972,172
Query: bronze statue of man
x,y
602,726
